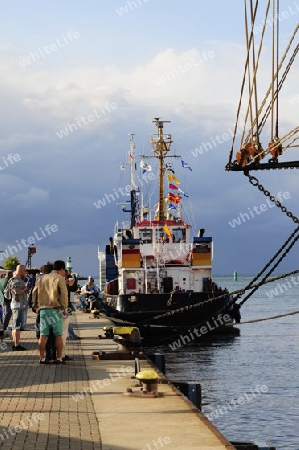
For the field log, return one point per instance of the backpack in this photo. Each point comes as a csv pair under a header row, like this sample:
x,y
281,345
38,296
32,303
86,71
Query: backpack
x,y
7,292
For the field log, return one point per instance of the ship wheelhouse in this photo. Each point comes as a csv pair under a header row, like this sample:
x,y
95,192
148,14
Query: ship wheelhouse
x,y
157,257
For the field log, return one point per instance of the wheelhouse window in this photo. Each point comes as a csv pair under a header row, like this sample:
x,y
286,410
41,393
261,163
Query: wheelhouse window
x,y
159,235
146,235
179,235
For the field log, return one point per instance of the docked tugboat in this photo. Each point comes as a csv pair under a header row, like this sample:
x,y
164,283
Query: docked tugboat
x,y
158,275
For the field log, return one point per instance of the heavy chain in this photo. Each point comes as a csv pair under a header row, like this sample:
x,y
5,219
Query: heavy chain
x,y
185,308
294,239
291,241
254,181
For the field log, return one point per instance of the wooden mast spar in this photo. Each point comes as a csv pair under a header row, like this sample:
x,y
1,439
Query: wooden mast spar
x,y
161,146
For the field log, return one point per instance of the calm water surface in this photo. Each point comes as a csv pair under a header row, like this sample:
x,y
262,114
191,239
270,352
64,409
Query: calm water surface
x,y
250,382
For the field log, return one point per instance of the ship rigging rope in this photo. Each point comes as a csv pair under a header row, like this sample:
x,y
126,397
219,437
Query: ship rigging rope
x,y
273,97
280,84
247,47
277,144
254,62
244,75
278,88
290,144
252,86
268,109
277,64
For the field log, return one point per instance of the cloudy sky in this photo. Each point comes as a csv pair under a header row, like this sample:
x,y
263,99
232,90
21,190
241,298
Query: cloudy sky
x,y
78,76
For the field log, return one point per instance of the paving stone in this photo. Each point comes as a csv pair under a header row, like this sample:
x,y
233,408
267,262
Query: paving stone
x,y
38,400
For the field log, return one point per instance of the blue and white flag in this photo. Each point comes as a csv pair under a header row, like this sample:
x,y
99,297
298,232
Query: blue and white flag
x,y
169,168
146,167
171,206
185,165
182,192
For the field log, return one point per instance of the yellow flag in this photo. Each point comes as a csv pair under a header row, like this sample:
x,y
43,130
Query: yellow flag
x,y
167,231
171,177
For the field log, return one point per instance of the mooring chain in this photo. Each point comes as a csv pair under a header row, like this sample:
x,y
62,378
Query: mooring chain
x,y
187,307
251,284
238,292
254,181
271,270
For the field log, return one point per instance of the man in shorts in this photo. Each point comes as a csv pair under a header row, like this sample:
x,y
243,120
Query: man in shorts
x,y
50,297
18,304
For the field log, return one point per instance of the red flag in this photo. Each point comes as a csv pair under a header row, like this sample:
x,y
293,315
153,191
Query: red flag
x,y
173,186
174,198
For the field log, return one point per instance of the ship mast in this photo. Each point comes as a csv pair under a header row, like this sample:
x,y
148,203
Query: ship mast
x,y
132,161
161,146
134,198
134,201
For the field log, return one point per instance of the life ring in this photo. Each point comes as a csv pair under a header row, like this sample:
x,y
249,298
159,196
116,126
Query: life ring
x,y
189,256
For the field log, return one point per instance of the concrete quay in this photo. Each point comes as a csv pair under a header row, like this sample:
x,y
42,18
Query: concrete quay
x,y
83,405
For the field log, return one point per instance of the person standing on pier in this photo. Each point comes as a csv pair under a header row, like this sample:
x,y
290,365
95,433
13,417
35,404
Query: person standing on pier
x,y
19,303
50,344
68,331
7,312
50,297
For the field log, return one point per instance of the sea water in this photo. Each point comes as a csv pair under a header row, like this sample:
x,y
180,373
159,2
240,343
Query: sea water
x,y
250,382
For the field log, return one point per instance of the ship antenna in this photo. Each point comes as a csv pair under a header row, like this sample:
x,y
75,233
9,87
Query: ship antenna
x,y
161,146
132,160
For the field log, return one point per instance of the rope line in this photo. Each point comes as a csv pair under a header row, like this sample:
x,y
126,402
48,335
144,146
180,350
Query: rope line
x,y
278,316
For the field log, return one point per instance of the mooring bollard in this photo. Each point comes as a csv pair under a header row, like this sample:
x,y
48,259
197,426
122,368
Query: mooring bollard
x,y
149,380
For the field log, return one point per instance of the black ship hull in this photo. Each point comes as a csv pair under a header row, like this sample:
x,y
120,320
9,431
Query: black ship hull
x,y
164,315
